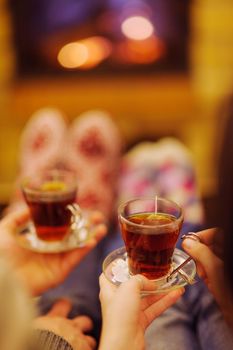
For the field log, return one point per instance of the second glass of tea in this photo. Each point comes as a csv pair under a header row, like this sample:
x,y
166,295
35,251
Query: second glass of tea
x,y
51,199
150,229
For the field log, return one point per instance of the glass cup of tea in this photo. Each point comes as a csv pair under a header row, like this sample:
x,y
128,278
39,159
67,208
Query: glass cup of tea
x,y
50,197
150,228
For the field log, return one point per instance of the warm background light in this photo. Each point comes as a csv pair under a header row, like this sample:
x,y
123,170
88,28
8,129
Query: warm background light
x,y
84,54
137,28
141,51
177,94
73,55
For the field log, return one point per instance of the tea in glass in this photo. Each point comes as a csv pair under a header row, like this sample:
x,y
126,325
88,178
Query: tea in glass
x,y
48,196
150,231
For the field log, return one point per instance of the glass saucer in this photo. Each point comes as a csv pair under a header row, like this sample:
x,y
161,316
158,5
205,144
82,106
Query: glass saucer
x,y
115,268
78,237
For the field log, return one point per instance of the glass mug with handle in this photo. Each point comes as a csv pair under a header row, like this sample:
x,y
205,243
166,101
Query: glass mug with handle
x,y
51,196
150,229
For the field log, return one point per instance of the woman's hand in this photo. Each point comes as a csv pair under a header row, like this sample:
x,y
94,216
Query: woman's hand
x,y
210,267
42,271
72,330
126,315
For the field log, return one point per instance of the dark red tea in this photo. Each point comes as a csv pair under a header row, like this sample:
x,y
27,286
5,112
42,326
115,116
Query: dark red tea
x,y
49,211
150,254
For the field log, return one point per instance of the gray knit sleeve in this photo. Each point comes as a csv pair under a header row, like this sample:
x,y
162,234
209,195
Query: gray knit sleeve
x,y
46,340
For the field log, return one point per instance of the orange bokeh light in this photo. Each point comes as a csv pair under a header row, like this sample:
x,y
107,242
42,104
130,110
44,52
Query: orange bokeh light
x,y
141,52
73,55
84,54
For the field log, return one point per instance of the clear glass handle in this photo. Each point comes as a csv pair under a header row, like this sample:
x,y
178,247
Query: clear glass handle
x,y
76,216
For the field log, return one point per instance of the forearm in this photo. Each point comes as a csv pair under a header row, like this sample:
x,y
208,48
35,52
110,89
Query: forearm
x,y
112,343
29,281
116,338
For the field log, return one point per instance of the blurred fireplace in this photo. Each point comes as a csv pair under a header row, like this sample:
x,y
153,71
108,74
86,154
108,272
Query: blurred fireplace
x,y
140,36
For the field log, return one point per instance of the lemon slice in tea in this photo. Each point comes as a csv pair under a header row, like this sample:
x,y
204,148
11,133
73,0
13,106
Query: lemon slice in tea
x,y
54,186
